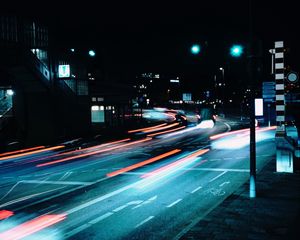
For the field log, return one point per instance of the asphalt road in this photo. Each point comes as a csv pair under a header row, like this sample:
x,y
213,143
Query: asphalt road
x,y
151,188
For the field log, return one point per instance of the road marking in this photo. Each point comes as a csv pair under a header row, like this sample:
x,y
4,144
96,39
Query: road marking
x,y
215,159
27,197
99,199
196,189
146,202
240,157
143,222
12,188
77,230
58,182
224,183
213,179
217,169
102,217
174,203
120,208
228,158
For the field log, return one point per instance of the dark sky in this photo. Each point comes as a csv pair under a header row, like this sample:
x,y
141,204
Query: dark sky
x,y
156,36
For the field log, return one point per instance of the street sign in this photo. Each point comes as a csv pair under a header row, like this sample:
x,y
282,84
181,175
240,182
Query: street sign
x,y
269,91
63,71
292,77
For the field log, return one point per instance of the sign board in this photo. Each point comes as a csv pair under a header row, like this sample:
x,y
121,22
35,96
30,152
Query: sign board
x,y
259,107
269,91
63,71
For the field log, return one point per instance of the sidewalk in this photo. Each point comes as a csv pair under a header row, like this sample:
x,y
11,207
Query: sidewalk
x,y
273,214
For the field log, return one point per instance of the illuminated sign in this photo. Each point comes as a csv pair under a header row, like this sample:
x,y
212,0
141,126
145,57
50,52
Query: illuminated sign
x,y
186,96
259,107
174,80
63,71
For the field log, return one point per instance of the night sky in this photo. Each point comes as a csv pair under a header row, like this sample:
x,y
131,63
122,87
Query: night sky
x,y
133,37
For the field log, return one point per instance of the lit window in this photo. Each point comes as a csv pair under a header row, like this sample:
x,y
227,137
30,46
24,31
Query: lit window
x,y
95,108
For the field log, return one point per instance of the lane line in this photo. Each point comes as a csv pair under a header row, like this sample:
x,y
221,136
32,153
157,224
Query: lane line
x,y
100,218
216,169
196,189
77,230
143,222
99,199
224,183
213,179
120,208
174,203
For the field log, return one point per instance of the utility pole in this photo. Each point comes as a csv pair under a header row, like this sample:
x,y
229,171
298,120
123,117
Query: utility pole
x,y
252,190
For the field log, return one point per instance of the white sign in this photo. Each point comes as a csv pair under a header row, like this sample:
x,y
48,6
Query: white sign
x,y
259,107
63,71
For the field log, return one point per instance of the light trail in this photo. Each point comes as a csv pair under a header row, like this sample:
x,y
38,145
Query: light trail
x,y
32,226
176,163
32,152
167,131
228,133
165,171
140,164
21,151
161,128
144,129
80,150
90,153
5,214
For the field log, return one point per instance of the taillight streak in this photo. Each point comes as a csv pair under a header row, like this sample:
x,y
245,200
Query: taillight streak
x,y
32,152
161,128
176,163
167,131
21,151
25,229
91,153
148,128
140,164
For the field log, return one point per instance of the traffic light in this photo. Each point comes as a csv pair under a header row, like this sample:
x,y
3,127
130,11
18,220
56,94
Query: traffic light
x,y
236,50
195,49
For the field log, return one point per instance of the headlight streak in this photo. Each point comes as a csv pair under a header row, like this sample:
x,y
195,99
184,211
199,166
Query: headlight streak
x,y
241,140
140,164
91,153
167,170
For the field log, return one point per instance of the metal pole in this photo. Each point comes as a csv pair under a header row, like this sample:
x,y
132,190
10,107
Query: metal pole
x,y
252,190
269,122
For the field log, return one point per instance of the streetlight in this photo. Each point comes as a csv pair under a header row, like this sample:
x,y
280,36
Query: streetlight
x,y
195,49
92,53
222,69
236,50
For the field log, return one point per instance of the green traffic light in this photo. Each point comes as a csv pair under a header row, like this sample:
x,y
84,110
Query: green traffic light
x,y
236,50
195,49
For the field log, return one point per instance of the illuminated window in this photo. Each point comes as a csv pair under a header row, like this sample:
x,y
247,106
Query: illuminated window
x,y
97,114
63,71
